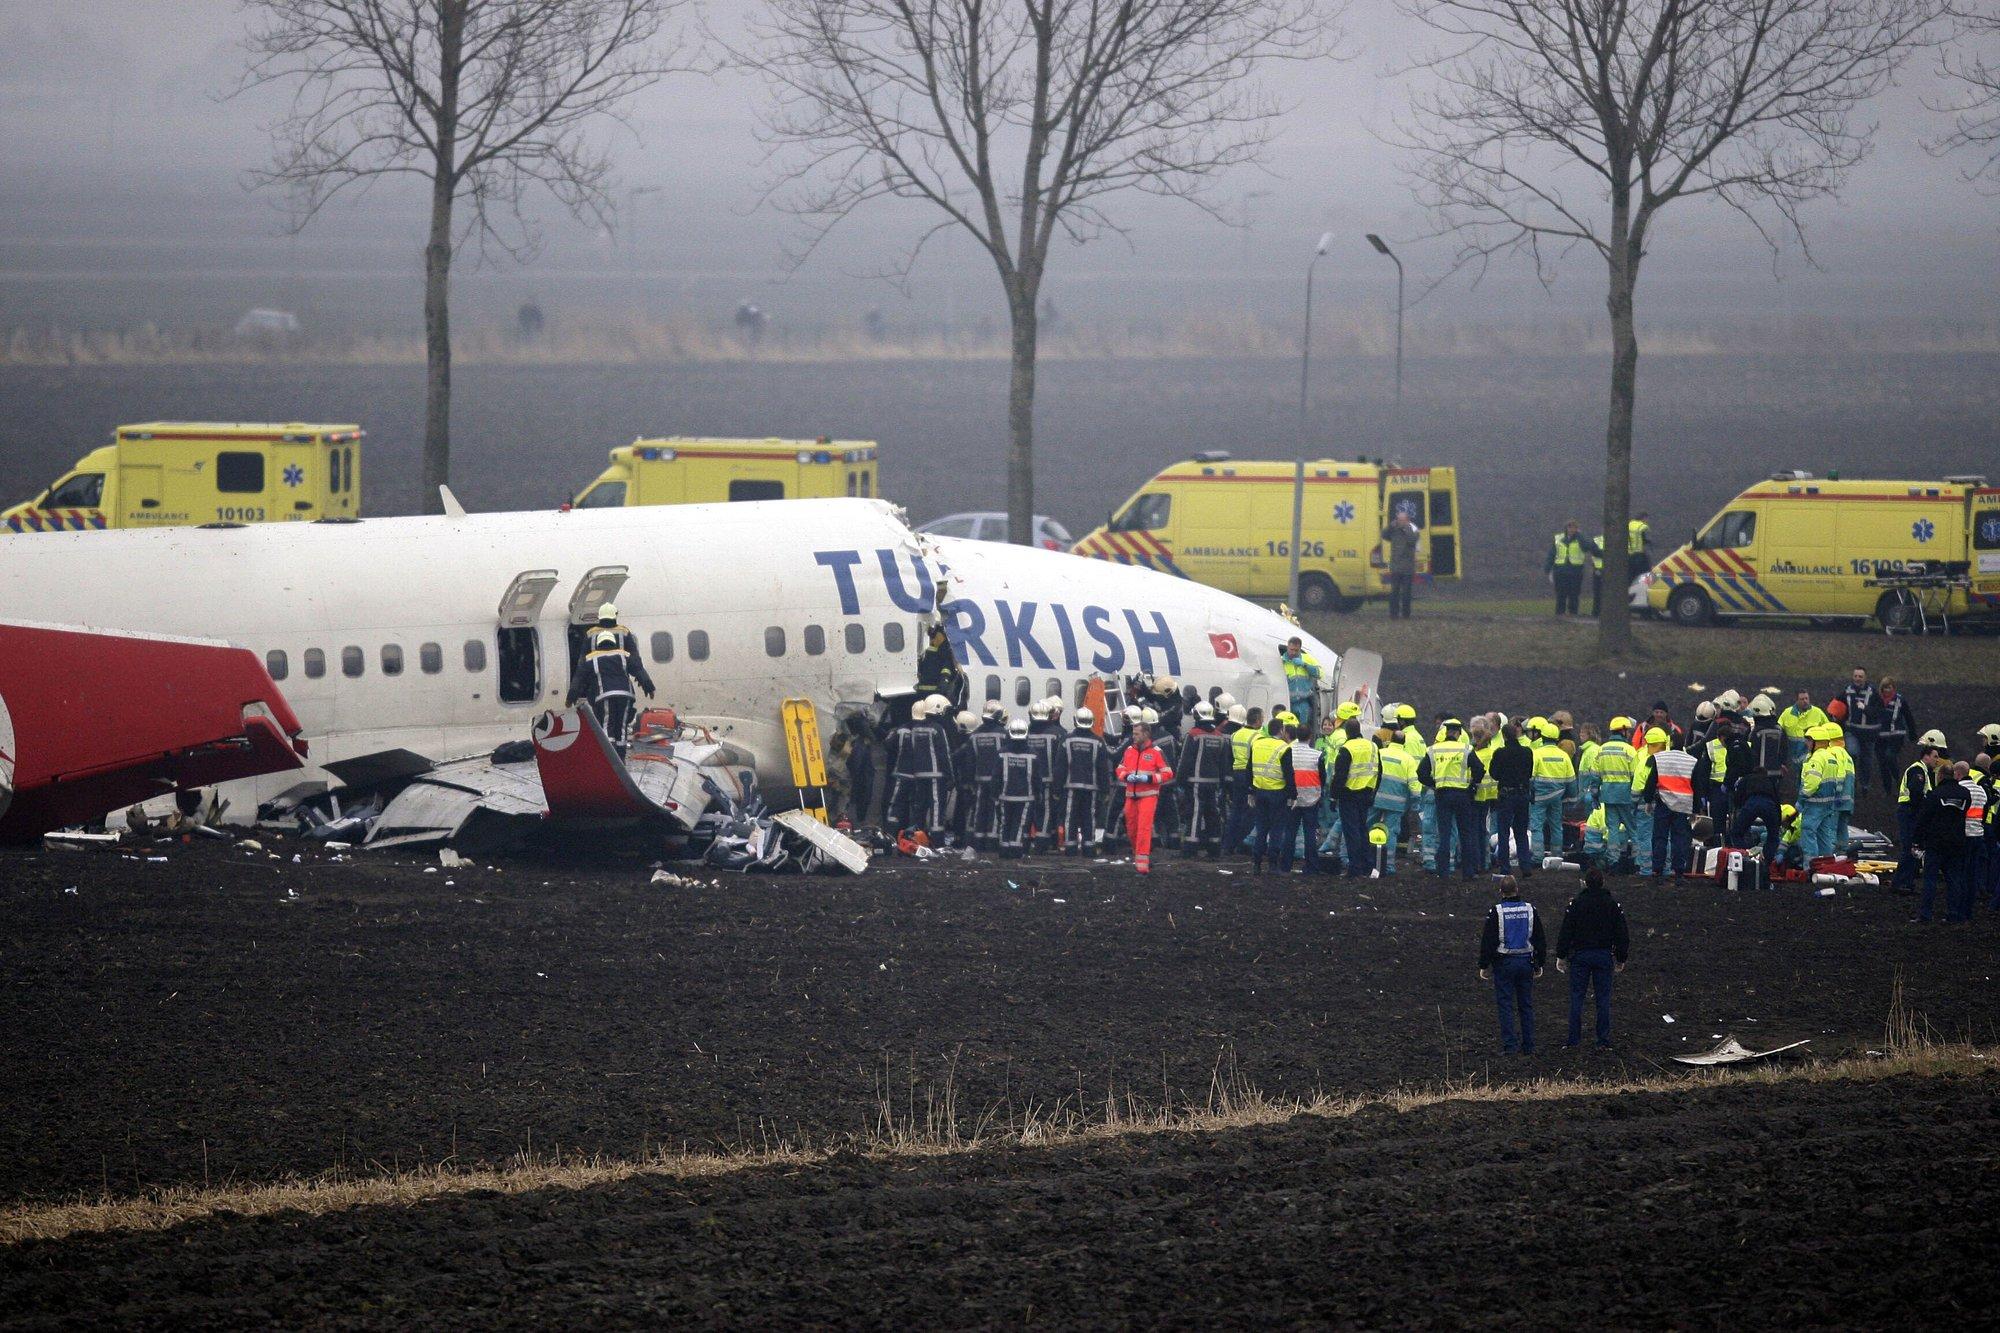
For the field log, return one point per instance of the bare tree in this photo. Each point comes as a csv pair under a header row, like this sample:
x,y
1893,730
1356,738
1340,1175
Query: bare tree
x,y
1553,124
482,100
1975,112
1016,121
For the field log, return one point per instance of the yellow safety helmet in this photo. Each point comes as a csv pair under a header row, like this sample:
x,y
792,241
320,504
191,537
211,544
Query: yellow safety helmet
x,y
1379,836
1551,732
1406,712
1347,710
1622,723
1790,813
1656,736
1287,717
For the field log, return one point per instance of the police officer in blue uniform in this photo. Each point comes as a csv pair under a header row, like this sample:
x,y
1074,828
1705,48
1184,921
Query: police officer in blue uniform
x,y
1511,949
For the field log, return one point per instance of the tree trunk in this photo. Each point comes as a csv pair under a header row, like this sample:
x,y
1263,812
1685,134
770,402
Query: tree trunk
x,y
1614,629
437,259
1021,311
437,350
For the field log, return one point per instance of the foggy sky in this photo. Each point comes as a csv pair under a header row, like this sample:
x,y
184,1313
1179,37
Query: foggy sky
x,y
112,106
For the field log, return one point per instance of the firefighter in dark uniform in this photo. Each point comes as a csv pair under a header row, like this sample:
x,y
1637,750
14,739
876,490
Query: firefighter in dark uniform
x,y
1204,769
1084,777
1020,781
937,669
1045,738
604,677
984,747
607,619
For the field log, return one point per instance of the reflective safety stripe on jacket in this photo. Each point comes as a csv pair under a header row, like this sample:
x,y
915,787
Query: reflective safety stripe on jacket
x,y
1841,766
1488,788
1635,536
1364,763
1718,759
1239,748
1517,928
1676,786
1399,776
1903,788
1615,764
1553,772
1267,770
1975,807
1817,785
1305,773
1569,550
1451,768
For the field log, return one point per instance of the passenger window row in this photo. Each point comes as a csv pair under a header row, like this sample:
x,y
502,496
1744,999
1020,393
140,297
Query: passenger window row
x,y
812,638
354,660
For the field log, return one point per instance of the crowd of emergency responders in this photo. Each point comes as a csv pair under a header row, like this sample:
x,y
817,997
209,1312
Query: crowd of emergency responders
x,y
1302,793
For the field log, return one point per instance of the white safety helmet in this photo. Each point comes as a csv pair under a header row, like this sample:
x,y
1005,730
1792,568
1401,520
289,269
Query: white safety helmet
x,y
920,710
937,704
1165,683
1239,715
1149,716
608,611
1038,710
1761,706
1133,713
1934,740
994,708
1084,718
1499,721
1704,711
1017,727
1054,703
967,721
1205,711
604,638
1990,733
1224,702
1729,701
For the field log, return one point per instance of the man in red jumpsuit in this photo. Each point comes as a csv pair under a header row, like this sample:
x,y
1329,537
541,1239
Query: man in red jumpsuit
x,y
1143,770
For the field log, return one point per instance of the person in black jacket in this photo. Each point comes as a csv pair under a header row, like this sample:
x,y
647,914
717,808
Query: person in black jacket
x,y
1513,768
1511,950
1592,944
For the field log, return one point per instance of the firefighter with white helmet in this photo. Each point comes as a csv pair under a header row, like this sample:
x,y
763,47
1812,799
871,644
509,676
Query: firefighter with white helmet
x,y
1046,736
1085,783
1020,779
1202,770
604,676
982,823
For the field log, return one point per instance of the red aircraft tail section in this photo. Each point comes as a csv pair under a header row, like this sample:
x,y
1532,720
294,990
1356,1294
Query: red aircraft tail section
x,y
582,775
91,720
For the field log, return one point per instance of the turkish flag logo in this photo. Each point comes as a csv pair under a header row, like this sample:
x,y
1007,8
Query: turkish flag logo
x,y
1225,646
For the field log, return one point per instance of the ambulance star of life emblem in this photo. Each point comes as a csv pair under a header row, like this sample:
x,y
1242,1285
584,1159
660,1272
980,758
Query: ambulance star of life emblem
x,y
294,475
1923,529
1343,512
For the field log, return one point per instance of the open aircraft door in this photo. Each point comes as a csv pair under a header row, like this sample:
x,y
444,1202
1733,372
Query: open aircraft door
x,y
593,590
519,641
1358,681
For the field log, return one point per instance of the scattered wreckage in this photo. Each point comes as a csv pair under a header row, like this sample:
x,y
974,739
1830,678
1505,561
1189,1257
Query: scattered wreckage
x,y
680,783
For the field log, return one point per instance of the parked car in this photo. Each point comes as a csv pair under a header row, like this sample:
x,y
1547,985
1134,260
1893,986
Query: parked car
x,y
992,527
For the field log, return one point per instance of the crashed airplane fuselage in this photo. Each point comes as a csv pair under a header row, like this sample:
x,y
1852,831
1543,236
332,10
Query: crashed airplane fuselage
x,y
436,638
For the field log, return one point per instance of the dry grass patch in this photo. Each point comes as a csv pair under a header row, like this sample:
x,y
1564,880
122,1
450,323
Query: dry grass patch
x,y
928,1126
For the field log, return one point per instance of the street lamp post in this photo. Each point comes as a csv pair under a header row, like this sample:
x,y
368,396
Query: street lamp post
x,y
1305,380
1382,248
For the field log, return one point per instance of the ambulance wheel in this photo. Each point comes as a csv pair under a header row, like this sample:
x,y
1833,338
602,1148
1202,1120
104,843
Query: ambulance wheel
x,y
1897,614
1690,606
1320,594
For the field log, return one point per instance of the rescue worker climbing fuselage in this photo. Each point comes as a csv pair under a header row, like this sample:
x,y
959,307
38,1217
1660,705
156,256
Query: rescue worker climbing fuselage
x,y
383,635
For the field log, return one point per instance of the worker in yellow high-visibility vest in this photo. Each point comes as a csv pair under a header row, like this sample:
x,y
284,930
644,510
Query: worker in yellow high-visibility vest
x,y
1568,554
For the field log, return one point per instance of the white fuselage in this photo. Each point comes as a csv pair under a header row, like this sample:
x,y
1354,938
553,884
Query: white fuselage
x,y
388,633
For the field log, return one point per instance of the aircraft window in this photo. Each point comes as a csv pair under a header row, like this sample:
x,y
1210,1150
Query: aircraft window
x,y
1082,692
274,662
604,495
1147,512
392,659
756,490
1190,696
698,645
663,646
1024,691
815,640
430,658
239,473
315,664
857,639
352,661
892,638
83,491
1054,690
475,656
774,641
993,687
520,664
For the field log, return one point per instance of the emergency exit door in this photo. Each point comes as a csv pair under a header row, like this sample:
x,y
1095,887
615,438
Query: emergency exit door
x,y
593,590
519,639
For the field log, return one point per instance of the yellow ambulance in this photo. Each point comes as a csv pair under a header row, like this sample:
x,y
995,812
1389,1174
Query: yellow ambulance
x,y
165,473
682,470
1229,524
1910,554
